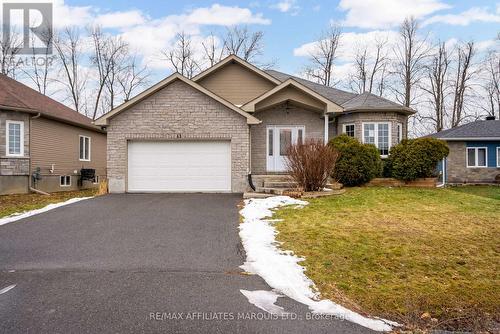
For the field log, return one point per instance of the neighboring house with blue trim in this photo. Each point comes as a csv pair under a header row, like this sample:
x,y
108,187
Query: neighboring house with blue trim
x,y
474,153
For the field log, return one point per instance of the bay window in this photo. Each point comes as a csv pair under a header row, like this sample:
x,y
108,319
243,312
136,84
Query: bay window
x,y
378,134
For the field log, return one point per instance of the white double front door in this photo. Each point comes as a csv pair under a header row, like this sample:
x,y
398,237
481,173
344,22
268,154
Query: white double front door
x,y
279,139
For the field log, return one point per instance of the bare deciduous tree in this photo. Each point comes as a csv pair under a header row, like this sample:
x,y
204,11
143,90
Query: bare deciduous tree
x,y
437,85
212,52
382,84
323,57
9,48
243,43
39,70
68,47
491,83
461,82
182,57
367,69
410,54
107,57
132,78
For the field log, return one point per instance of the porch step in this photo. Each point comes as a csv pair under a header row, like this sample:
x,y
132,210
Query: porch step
x,y
274,191
253,194
280,184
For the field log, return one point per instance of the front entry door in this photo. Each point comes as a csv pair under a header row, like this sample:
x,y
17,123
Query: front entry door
x,y
279,138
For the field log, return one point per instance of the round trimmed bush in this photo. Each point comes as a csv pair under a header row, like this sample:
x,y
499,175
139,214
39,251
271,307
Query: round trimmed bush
x,y
416,158
357,163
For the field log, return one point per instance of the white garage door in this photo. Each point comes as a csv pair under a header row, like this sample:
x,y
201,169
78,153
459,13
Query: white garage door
x,y
183,166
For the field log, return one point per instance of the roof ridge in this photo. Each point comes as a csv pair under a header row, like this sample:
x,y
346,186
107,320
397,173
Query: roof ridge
x,y
312,82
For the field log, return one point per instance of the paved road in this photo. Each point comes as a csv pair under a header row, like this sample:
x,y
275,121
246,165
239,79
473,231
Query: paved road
x,y
126,263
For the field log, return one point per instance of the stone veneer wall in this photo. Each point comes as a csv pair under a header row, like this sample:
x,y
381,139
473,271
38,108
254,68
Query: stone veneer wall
x,y
14,171
177,112
359,117
458,172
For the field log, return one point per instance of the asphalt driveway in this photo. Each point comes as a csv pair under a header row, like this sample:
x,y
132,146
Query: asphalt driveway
x,y
137,263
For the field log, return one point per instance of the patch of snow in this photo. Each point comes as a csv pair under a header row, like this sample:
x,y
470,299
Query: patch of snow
x,y
26,214
265,300
281,269
7,288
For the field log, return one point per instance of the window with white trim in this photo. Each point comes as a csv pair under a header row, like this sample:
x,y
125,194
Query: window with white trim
x,y
96,179
378,134
84,148
348,129
65,180
477,157
14,145
399,134
498,156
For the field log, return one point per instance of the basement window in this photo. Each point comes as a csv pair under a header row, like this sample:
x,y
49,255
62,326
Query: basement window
x,y
65,180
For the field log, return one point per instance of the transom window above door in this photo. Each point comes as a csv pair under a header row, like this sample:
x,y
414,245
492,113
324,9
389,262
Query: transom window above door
x,y
378,134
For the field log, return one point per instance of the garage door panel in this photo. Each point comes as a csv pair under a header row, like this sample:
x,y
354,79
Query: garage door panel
x,y
179,166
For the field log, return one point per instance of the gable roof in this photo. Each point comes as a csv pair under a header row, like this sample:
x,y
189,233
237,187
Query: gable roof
x,y
349,101
16,96
333,94
330,106
479,130
235,59
103,120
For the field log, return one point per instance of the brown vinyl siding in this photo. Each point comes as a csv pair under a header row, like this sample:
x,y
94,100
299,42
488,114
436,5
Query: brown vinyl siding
x,y
57,143
236,84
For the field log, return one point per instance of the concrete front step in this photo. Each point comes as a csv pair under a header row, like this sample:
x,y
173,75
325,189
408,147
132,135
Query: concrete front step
x,y
280,184
274,191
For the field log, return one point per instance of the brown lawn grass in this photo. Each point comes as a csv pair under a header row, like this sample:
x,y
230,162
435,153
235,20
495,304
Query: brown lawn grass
x,y
402,252
10,204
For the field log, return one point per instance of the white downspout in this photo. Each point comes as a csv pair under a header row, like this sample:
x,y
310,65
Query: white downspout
x,y
326,128
443,164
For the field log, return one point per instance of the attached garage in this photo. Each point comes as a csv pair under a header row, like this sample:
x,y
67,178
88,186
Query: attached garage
x,y
177,136
179,166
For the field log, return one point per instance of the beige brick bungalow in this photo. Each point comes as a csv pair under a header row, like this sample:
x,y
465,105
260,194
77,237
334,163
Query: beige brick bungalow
x,y
233,120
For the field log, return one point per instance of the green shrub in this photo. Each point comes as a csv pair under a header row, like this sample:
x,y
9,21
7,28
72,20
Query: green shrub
x,y
357,163
416,158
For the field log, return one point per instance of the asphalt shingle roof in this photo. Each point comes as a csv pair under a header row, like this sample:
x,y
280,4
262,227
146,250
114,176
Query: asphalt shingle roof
x,y
349,101
15,95
478,129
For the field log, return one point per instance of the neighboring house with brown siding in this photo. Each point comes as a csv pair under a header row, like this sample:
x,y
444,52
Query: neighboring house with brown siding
x,y
38,133
233,120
